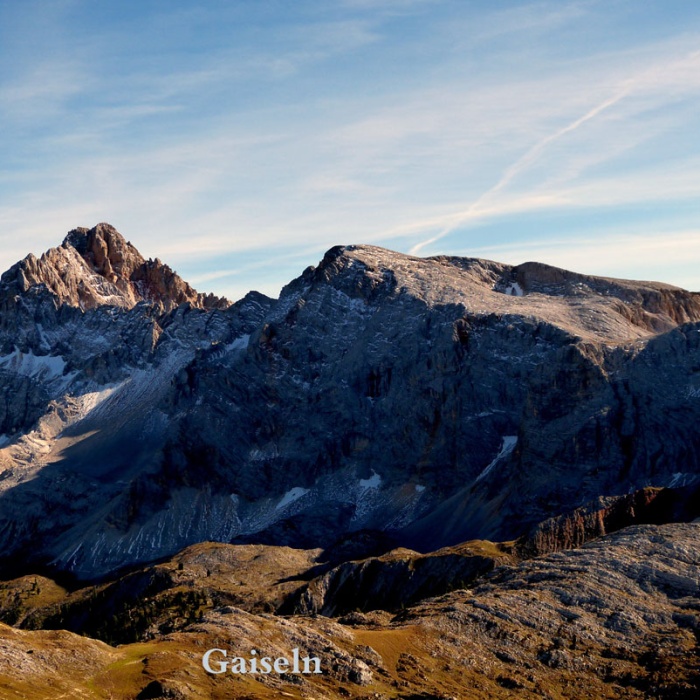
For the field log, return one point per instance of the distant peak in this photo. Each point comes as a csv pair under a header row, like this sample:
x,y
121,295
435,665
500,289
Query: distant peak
x,y
105,250
98,266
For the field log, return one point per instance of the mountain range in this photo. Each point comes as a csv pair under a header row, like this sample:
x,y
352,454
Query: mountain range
x,y
443,477
432,400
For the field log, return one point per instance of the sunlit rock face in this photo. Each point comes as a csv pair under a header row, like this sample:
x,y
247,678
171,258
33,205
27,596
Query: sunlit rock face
x,y
436,400
98,267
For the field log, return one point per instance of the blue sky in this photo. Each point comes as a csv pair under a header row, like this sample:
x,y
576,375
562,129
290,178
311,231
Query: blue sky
x,y
239,140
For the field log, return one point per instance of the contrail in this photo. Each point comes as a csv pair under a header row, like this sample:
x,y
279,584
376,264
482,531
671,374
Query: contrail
x,y
519,166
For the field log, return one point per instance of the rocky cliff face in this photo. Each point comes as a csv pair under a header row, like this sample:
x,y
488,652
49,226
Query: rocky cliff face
x,y
436,400
396,580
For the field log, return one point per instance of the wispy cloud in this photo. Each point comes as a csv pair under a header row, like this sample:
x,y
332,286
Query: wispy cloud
x,y
207,134
653,85
521,20
477,208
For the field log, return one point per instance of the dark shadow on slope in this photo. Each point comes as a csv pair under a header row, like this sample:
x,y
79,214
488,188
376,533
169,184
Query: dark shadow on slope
x,y
401,578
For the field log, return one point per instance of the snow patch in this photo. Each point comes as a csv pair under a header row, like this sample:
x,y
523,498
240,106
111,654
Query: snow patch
x,y
514,290
509,442
260,455
374,482
239,343
28,364
681,479
42,336
292,495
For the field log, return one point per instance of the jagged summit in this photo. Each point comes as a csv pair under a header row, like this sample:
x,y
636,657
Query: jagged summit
x,y
105,250
98,266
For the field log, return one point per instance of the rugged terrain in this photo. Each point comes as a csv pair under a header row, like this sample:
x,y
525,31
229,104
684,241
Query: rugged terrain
x,y
616,618
435,400
445,477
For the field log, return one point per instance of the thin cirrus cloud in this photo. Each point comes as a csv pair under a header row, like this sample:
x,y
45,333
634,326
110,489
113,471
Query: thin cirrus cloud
x,y
227,139
651,88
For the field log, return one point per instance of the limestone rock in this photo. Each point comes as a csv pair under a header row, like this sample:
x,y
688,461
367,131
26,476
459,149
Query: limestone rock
x,y
99,267
436,400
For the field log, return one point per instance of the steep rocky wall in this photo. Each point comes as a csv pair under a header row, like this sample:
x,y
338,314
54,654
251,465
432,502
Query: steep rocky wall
x,y
430,399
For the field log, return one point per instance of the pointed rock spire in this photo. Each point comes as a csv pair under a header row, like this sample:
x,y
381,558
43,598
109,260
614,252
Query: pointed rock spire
x,y
98,266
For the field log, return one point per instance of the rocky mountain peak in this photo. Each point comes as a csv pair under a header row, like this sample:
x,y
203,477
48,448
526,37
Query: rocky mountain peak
x,y
106,251
591,308
99,267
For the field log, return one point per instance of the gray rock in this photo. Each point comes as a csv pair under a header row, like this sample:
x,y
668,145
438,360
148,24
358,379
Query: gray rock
x,y
420,397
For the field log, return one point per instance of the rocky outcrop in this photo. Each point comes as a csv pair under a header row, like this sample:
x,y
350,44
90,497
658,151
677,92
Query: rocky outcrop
x,y
653,306
396,580
400,578
606,515
163,597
